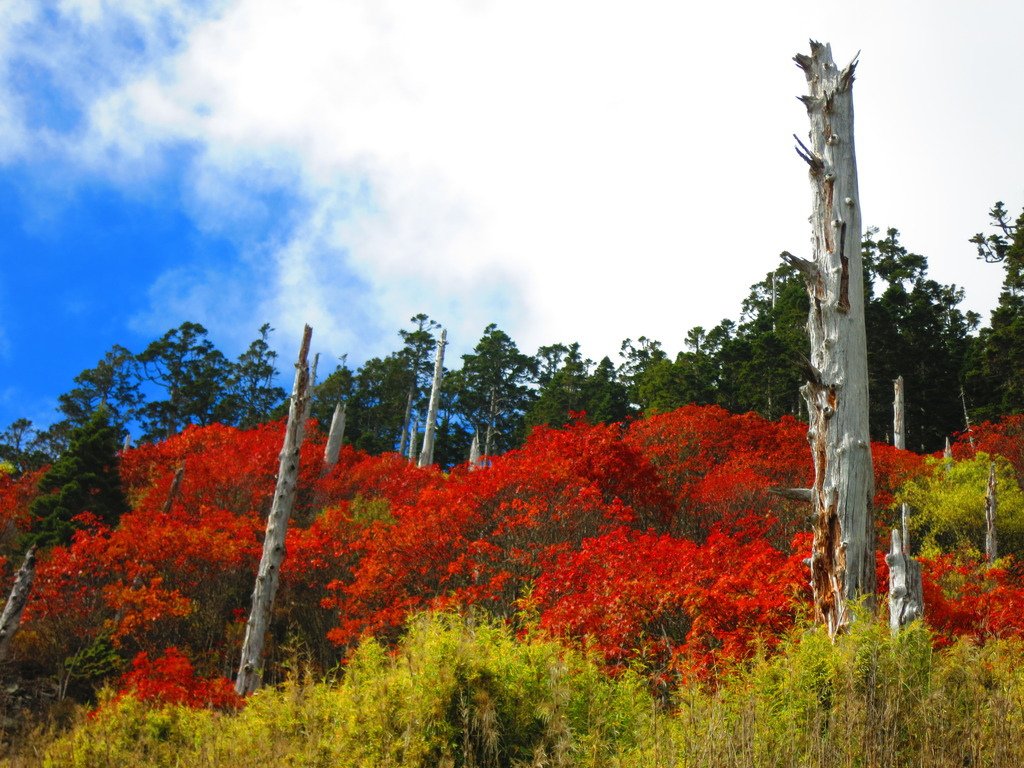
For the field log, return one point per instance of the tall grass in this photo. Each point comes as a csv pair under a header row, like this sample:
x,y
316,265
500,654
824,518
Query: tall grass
x,y
465,692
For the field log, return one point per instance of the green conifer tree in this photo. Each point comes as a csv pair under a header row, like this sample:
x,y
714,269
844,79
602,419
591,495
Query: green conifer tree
x,y
84,479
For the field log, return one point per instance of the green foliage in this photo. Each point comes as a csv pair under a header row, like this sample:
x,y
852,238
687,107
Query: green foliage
x,y
84,479
948,506
460,692
370,510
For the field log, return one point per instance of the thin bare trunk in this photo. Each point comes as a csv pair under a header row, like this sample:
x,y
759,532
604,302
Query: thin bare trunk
x,y
427,454
250,669
967,419
492,417
335,437
407,424
474,452
414,431
991,547
905,593
842,560
175,489
10,619
899,440
947,452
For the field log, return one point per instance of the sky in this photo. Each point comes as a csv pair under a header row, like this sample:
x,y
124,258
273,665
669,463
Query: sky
x,y
570,170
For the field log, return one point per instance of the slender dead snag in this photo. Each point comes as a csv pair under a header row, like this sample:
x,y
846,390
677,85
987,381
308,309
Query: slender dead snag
x,y
842,560
905,601
906,595
175,489
427,454
474,452
335,436
10,619
406,425
967,419
414,431
991,548
250,669
899,440
947,452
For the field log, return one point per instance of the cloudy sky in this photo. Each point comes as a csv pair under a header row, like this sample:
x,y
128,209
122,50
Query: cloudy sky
x,y
571,170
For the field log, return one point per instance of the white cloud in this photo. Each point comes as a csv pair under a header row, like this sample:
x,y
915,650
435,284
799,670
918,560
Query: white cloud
x,y
574,170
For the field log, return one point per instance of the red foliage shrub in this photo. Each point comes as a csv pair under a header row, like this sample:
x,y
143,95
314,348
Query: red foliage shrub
x,y
170,679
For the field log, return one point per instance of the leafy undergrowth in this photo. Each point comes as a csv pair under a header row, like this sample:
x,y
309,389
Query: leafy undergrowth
x,y
467,692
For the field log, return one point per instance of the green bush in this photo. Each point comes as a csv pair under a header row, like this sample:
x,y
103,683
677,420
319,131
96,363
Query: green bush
x,y
466,692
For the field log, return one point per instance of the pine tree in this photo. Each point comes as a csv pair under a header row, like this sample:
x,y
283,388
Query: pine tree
x,y
84,479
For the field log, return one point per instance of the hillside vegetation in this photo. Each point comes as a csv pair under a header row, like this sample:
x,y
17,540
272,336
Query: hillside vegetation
x,y
632,592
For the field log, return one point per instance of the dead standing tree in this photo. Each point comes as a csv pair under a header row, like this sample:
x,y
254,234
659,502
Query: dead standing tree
x,y
906,596
251,667
842,561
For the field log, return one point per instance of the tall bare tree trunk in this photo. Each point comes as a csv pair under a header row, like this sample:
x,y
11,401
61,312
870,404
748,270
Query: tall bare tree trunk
x,y
407,423
967,419
899,440
335,436
250,670
842,560
492,416
427,454
414,431
991,547
905,600
474,452
174,490
10,619
906,595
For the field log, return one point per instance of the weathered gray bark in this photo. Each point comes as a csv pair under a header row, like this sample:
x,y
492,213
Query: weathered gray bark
x,y
905,593
335,436
174,490
947,452
474,452
10,619
427,454
991,547
899,434
967,419
414,431
899,440
842,560
407,425
311,387
127,443
492,416
250,669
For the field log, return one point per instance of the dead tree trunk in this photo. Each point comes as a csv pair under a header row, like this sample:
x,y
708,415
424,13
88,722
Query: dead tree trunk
x,y
250,669
905,601
10,619
492,417
967,419
906,595
175,489
335,436
991,548
407,423
474,452
899,440
414,431
427,454
842,560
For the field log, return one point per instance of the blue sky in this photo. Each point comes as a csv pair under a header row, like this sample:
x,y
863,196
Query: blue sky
x,y
572,171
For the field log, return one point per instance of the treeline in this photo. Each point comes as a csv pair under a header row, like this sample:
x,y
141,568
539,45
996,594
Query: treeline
x,y
954,370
